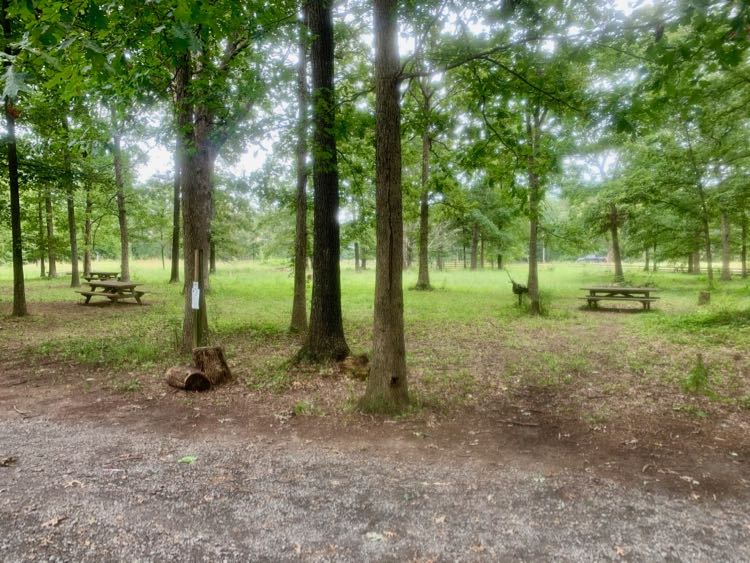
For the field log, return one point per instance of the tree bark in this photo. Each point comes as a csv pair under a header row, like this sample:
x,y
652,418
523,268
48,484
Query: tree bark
x,y
51,255
356,257
387,389
481,251
474,245
298,322
197,208
122,216
174,276
325,337
697,262
726,251
211,255
655,263
423,278
19,291
743,250
616,256
534,119
40,237
87,239
646,257
75,280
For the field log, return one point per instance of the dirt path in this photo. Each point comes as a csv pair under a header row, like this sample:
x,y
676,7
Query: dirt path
x,y
96,477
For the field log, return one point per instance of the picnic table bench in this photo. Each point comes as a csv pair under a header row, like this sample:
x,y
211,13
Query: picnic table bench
x,y
633,294
113,290
93,276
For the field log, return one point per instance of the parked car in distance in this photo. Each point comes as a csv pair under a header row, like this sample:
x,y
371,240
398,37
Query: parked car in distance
x,y
591,258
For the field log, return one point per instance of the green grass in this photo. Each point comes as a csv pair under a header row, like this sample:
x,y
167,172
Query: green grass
x,y
450,330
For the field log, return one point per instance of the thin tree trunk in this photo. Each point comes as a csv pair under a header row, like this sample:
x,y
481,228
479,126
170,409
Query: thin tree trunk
x,y
423,278
726,251
387,388
481,251
87,239
646,256
697,262
51,258
40,237
174,276
474,245
743,250
613,219
325,337
356,256
211,255
655,265
533,130
19,291
122,216
299,303
75,280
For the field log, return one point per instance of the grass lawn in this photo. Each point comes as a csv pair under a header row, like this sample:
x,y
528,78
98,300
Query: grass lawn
x,y
468,343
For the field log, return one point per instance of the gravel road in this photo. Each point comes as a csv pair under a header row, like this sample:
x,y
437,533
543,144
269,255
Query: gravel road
x,y
85,491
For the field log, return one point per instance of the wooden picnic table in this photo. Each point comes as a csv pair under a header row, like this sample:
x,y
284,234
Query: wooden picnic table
x,y
113,290
93,276
613,293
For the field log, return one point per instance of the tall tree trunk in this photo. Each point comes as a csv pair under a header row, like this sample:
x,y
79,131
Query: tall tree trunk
x,y
646,257
387,388
51,254
75,280
481,251
122,216
174,276
40,237
87,239
211,254
613,220
534,119
655,263
726,250
325,337
474,245
743,250
19,291
533,280
298,322
405,253
423,278
697,262
356,256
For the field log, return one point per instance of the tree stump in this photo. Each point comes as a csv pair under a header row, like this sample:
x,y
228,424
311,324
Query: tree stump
x,y
188,378
210,360
704,298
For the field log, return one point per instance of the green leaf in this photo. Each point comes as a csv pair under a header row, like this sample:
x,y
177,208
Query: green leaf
x,y
15,82
188,459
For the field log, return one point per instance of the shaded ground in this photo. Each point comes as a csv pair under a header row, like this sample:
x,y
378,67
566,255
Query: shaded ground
x,y
550,445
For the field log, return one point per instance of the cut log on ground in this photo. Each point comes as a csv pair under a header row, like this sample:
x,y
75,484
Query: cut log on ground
x,y
210,360
188,378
